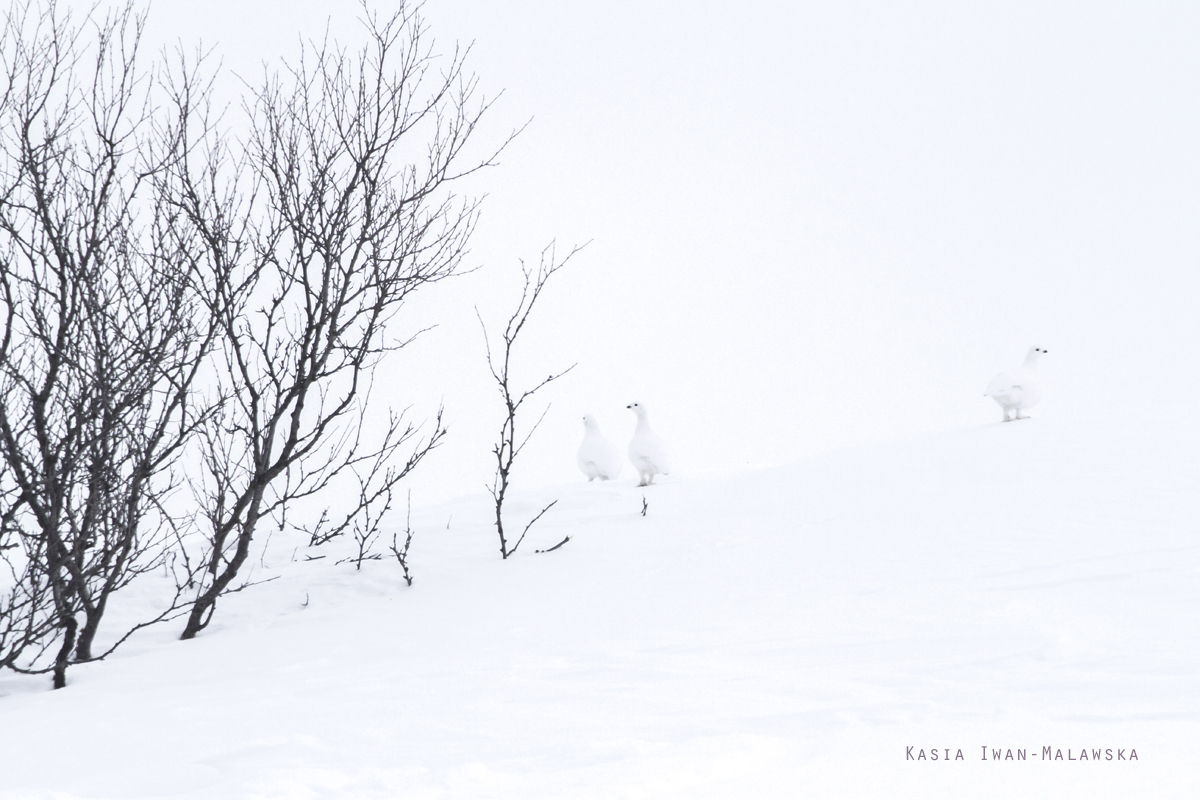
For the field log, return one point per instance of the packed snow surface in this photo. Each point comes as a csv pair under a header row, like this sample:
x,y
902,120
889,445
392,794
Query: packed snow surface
x,y
783,633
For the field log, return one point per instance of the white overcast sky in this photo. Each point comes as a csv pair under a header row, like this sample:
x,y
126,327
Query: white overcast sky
x,y
812,224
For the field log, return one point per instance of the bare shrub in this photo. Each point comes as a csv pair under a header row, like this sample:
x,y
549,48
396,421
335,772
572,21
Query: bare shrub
x,y
340,207
512,440
103,338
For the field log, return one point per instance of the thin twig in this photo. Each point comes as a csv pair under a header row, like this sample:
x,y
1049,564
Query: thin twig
x,y
530,525
552,549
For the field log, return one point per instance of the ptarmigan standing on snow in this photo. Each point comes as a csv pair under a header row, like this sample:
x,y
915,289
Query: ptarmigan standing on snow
x,y
597,456
647,452
1018,388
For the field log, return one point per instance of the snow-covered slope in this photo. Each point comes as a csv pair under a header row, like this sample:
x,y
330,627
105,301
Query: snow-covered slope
x,y
784,633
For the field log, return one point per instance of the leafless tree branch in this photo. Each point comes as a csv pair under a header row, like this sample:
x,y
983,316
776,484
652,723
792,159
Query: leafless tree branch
x,y
510,442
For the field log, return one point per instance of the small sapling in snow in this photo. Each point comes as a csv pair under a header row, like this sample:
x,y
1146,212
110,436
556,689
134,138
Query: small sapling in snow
x,y
499,362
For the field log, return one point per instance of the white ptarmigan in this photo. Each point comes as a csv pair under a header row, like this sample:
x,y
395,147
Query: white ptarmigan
x,y
597,456
1018,388
647,452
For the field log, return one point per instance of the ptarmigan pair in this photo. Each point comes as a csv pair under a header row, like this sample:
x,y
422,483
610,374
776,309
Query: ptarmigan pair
x,y
598,457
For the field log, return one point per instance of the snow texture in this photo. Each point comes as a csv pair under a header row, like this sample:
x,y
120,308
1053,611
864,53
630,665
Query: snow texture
x,y
647,452
783,633
597,457
1020,388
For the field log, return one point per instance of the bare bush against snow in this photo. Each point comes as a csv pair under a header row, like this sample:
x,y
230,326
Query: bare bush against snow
x,y
512,440
339,208
183,307
102,337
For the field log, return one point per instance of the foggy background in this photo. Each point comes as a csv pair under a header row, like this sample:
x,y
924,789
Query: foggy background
x,y
811,225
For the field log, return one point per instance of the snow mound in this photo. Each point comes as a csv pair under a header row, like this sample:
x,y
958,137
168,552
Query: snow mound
x,y
784,633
